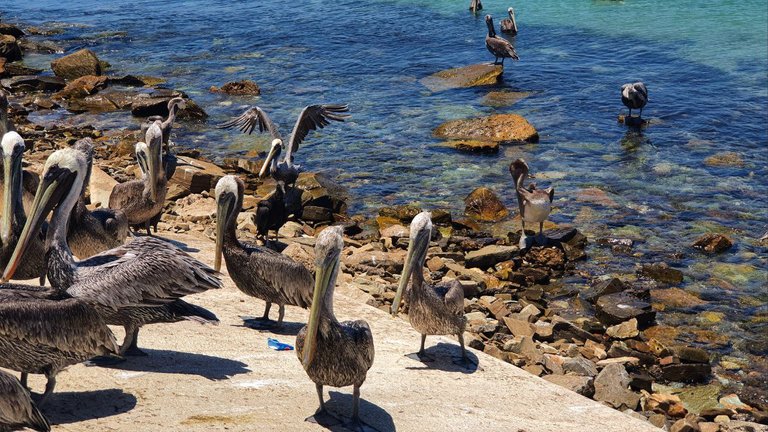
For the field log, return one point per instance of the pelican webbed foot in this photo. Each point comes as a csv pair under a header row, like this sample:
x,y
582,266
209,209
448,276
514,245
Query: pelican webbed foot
x,y
105,361
421,356
134,351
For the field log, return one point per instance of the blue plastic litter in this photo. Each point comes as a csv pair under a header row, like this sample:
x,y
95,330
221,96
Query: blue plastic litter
x,y
278,346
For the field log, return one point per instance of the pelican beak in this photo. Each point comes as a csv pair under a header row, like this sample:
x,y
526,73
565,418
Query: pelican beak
x,y
153,169
416,248
224,205
323,280
141,159
55,184
264,167
9,185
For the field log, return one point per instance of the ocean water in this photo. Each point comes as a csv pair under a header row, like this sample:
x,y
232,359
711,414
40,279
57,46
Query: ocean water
x,y
705,65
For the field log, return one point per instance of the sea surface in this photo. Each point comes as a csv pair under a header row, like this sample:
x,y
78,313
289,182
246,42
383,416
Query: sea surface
x,y
705,65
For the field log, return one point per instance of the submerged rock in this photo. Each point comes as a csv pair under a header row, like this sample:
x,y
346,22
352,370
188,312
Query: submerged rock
x,y
474,146
662,272
9,48
77,64
12,30
238,88
725,159
467,76
33,82
503,98
483,204
616,308
713,243
498,127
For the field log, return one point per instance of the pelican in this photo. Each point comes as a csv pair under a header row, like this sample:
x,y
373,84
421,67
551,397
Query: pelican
x,y
271,214
17,411
535,205
499,47
13,217
145,269
333,353
6,125
91,232
257,271
142,199
312,117
634,96
509,25
475,5
166,126
432,310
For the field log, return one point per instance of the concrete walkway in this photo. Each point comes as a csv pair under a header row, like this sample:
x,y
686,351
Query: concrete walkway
x,y
216,378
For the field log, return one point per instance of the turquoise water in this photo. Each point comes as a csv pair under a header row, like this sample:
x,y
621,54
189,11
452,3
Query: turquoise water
x,y
705,64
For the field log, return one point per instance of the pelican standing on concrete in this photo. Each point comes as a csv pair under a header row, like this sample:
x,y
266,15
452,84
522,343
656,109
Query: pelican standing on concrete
x,y
634,96
311,118
17,411
499,47
257,271
535,205
146,269
509,25
432,310
333,353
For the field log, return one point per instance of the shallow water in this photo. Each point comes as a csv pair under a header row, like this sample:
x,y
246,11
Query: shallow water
x,y
705,65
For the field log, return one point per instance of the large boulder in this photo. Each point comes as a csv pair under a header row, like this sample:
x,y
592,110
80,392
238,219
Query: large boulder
x,y
467,76
498,127
156,103
82,87
474,146
612,387
24,83
713,243
238,88
12,30
79,63
483,204
616,308
9,48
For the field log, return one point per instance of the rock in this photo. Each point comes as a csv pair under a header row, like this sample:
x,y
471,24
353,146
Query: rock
x,y
145,105
397,231
597,196
316,214
290,230
709,427
519,327
550,257
9,48
483,204
625,330
662,272
474,146
733,402
612,387
581,366
593,350
475,316
100,187
529,313
196,208
567,330
755,393
467,76
713,243
601,288
498,127
3,72
619,307
238,88
579,384
676,297
96,104
391,261
435,264
688,354
686,372
503,98
725,159
527,348
658,420
632,361
489,256
11,30
79,63
196,175
668,404
82,87
27,83
402,213
685,425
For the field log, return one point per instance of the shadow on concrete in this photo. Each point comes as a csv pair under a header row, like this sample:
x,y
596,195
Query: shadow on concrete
x,y
287,329
339,407
174,362
73,407
445,357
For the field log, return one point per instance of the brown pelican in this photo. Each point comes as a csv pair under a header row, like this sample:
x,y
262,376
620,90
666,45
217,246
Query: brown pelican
x,y
13,217
271,214
634,96
17,411
6,125
432,310
499,47
509,25
475,5
333,353
142,199
535,205
91,232
257,271
312,117
146,269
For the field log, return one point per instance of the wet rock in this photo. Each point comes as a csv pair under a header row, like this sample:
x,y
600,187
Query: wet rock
x,y
597,196
612,387
489,256
483,204
686,372
579,384
238,88
79,63
11,30
467,76
28,83
504,98
196,208
82,87
688,354
725,159
9,48
498,127
615,308
46,47
549,257
402,213
195,175
601,288
95,104
580,366
156,103
474,146
625,330
713,243
755,391
676,297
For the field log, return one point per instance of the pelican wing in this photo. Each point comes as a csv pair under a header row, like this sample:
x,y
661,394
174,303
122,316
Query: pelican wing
x,y
146,271
315,117
16,407
125,194
501,47
294,282
248,121
452,294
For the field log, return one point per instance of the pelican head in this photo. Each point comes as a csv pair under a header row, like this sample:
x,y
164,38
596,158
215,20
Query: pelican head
x,y
421,232
229,195
511,12
154,140
328,248
274,152
519,170
177,102
60,186
12,148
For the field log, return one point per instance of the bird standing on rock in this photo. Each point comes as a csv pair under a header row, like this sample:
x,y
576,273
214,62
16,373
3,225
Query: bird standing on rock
x,y
499,47
271,214
634,96
535,205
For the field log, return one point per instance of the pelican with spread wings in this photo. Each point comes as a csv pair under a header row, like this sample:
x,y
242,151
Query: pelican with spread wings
x,y
311,118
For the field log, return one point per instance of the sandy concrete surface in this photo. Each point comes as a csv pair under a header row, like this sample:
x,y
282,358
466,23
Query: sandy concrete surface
x,y
217,378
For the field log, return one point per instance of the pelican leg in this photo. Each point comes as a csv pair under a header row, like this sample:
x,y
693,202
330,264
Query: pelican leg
x,y
630,113
129,347
146,225
321,416
265,317
354,423
422,354
49,386
464,361
23,380
280,316
641,113
523,243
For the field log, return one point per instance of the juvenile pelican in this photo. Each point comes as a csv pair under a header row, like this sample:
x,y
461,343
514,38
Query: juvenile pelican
x,y
333,353
311,118
257,271
509,25
535,205
634,96
499,47
17,411
147,271
432,310
142,199
271,214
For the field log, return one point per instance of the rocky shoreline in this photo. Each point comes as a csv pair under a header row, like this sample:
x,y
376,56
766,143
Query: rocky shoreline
x,y
602,342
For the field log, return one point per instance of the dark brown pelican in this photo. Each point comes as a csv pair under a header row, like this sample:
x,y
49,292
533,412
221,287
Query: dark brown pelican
x,y
257,271
271,214
535,205
333,353
432,310
91,232
13,217
509,25
475,5
6,125
634,96
311,118
142,199
499,47
145,269
17,411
